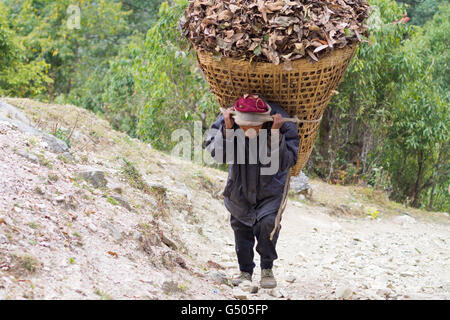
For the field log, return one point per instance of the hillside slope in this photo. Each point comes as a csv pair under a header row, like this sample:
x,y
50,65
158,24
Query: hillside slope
x,y
112,218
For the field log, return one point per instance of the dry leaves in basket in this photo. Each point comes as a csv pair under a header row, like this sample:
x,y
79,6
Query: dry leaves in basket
x,y
274,31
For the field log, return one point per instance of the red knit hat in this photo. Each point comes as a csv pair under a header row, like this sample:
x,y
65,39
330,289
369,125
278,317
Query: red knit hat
x,y
251,103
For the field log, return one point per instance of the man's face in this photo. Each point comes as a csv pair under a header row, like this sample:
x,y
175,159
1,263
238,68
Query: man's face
x,y
251,131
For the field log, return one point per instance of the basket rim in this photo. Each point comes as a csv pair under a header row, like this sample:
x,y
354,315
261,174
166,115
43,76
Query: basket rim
x,y
350,49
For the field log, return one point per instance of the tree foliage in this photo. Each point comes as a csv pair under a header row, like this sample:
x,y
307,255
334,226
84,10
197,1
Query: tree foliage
x,y
143,13
421,11
75,53
173,88
18,76
391,115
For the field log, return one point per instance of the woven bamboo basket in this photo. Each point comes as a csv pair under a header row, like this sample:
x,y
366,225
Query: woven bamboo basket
x,y
303,89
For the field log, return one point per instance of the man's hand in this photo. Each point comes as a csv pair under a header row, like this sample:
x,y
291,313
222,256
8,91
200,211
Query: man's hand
x,y
278,121
229,121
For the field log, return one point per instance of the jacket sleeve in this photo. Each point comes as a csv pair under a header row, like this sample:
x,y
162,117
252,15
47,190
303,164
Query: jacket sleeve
x,y
216,142
288,146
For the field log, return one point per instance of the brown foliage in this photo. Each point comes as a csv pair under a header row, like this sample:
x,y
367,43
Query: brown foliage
x,y
274,31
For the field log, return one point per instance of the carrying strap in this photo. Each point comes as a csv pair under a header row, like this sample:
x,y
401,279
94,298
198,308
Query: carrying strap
x,y
266,117
285,194
282,205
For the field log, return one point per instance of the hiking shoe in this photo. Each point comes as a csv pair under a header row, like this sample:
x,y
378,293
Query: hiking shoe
x,y
241,278
267,279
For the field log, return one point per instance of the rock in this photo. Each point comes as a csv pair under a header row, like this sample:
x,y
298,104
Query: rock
x,y
117,189
153,202
69,201
291,278
300,256
248,286
215,265
92,227
343,292
404,219
17,118
55,145
68,156
136,235
180,261
239,294
122,202
171,287
406,273
283,293
186,192
156,187
229,265
219,277
112,230
299,183
167,241
277,293
3,239
33,158
8,112
383,292
148,240
95,177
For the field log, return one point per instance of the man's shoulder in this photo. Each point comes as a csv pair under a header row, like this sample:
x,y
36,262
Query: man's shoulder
x,y
276,108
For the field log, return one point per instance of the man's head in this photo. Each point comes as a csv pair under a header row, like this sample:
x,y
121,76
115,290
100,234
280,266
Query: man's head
x,y
247,108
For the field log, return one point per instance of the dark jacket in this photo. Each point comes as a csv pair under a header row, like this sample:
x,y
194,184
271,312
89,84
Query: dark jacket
x,y
248,195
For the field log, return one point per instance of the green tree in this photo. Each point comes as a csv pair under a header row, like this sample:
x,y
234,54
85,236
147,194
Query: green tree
x,y
18,76
418,138
351,124
121,101
169,81
143,13
391,115
431,45
75,53
420,11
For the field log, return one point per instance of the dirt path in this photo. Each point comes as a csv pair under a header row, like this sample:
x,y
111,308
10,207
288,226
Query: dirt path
x,y
326,257
372,258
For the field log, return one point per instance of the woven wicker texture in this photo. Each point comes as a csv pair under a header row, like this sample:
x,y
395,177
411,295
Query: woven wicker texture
x,y
302,88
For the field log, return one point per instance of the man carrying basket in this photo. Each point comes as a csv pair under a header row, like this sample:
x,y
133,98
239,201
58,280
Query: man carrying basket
x,y
255,188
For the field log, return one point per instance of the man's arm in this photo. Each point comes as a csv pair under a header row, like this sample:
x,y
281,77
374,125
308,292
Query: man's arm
x,y
216,140
289,141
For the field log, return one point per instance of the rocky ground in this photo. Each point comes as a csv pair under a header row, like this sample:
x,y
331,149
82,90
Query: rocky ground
x,y
104,216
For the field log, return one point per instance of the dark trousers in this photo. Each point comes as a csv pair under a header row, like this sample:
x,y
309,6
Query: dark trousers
x,y
244,237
